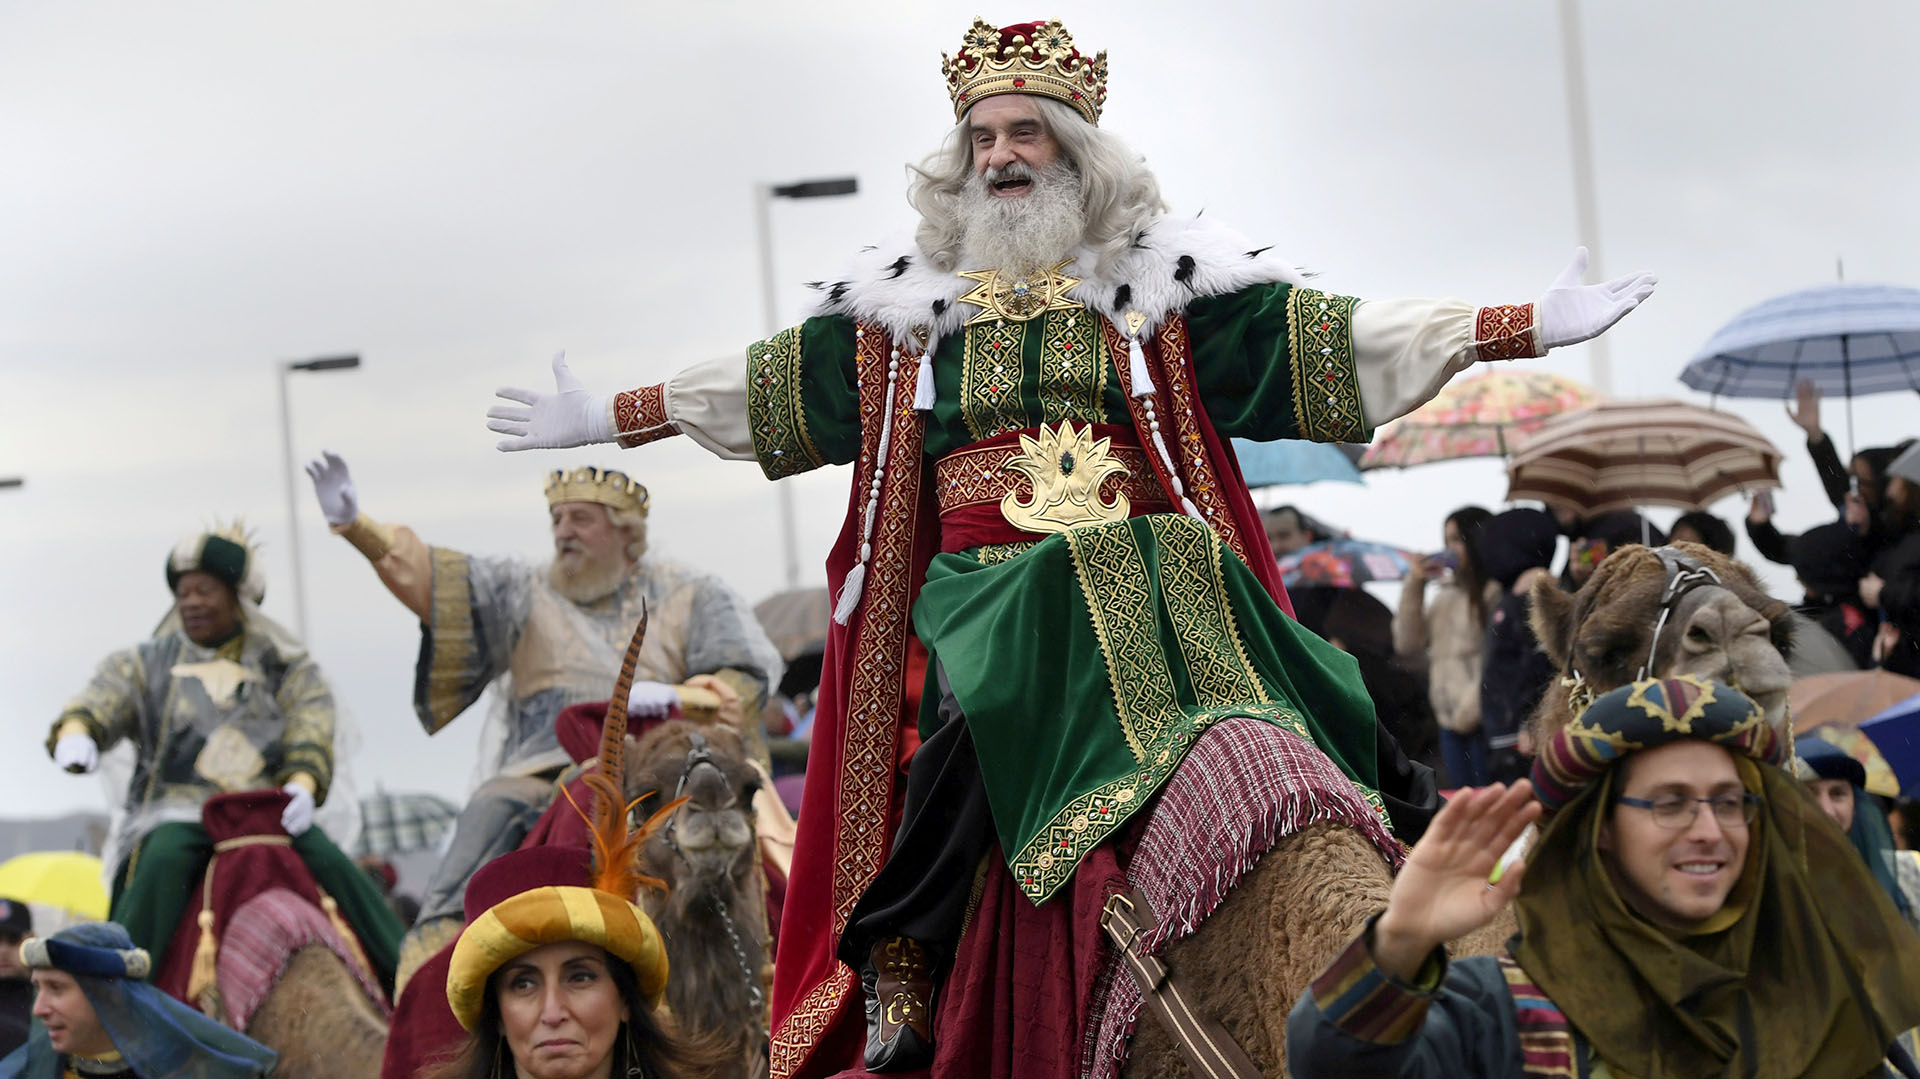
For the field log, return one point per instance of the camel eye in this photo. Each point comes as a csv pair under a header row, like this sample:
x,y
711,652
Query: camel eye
x,y
1698,635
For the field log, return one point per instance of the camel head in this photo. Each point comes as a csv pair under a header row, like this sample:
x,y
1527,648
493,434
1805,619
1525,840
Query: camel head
x,y
714,916
1723,626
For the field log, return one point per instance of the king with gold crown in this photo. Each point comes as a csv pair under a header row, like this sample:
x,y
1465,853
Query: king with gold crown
x,y
544,637
1051,584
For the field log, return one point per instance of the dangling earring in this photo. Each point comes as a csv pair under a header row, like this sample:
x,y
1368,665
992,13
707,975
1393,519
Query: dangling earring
x,y
634,1070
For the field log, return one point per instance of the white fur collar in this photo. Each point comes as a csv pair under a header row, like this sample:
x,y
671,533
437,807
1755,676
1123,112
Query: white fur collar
x,y
1175,261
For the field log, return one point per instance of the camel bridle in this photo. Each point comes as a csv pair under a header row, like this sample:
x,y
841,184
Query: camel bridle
x,y
699,752
1684,573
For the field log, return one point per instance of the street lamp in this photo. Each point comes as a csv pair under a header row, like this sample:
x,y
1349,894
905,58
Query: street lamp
x,y
11,481
764,194
287,367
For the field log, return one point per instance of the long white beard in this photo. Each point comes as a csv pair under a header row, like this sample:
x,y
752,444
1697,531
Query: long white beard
x,y
592,578
1024,235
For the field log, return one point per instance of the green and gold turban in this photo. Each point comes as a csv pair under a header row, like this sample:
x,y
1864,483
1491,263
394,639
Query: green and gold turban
x,y
1646,714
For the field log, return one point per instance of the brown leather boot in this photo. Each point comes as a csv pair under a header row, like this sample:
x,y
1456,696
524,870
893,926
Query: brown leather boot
x,y
899,992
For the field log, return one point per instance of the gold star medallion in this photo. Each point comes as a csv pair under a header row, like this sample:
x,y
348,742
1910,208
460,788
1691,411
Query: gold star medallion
x,y
1017,300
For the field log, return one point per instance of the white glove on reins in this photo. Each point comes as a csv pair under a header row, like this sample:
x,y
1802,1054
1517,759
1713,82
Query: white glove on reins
x,y
298,816
1571,312
651,700
333,486
567,417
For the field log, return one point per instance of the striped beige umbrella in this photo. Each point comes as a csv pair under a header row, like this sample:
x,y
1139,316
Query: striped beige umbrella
x,y
1658,452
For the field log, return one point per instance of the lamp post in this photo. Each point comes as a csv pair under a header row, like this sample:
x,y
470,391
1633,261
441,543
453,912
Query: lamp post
x,y
287,368
763,197
7,482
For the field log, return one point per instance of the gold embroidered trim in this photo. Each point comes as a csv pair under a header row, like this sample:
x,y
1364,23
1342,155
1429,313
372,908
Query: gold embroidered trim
x,y
795,1038
880,631
993,365
640,416
1506,332
1203,484
776,415
993,554
1126,618
454,649
1326,384
974,476
1073,366
1118,591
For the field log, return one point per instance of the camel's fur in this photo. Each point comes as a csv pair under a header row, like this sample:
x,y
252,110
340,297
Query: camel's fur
x,y
718,859
319,1020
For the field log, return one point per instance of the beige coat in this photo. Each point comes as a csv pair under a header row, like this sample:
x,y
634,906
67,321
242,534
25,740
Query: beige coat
x,y
1446,631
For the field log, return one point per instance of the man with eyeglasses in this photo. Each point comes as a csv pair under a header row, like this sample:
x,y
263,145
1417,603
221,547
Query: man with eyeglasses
x,y
1686,910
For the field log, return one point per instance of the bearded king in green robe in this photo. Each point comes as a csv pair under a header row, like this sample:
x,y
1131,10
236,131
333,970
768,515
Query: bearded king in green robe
x,y
1035,390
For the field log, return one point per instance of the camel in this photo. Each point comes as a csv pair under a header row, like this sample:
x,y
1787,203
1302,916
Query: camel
x,y
319,1021
1309,896
713,916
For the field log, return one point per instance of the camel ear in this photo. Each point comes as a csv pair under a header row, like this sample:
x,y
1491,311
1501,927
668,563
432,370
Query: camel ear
x,y
1551,613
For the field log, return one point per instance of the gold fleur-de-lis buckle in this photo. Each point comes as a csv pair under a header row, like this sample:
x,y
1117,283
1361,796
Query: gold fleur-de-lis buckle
x,y
1066,468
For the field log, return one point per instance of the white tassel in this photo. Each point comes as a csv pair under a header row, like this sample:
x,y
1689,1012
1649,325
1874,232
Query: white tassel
x,y
856,581
924,394
850,594
1137,368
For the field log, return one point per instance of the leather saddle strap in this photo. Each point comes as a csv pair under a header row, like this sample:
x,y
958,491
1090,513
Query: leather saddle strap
x,y
1211,1053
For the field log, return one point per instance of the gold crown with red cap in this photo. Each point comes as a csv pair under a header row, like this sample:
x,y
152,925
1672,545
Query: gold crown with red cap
x,y
1025,58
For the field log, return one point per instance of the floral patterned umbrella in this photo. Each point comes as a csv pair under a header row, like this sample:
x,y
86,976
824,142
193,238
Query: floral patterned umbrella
x,y
1344,563
1482,416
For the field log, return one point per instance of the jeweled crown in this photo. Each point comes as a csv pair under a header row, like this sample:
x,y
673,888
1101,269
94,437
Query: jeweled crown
x,y
1025,58
588,484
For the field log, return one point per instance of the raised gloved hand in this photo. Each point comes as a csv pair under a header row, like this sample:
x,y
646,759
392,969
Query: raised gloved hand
x,y
77,753
1571,312
569,416
652,700
333,486
298,816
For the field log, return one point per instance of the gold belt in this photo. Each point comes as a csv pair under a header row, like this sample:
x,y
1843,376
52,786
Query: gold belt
x,y
1058,479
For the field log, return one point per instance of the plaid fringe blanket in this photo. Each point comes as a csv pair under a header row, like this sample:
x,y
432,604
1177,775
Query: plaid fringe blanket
x,y
1244,786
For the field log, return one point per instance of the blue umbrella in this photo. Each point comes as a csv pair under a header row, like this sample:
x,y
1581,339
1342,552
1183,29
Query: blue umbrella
x,y
1896,734
1271,464
1849,340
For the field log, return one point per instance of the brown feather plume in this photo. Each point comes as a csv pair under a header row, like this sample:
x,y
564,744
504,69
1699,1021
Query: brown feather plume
x,y
616,848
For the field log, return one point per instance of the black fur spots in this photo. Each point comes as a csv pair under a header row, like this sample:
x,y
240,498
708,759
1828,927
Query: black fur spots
x,y
1122,296
1183,270
1258,251
939,308
899,266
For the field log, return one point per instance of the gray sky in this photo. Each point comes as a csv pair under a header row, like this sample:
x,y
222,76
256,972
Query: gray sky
x,y
455,190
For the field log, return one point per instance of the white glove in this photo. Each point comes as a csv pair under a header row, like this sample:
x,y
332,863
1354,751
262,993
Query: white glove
x,y
651,700
567,417
333,486
298,816
1571,312
76,753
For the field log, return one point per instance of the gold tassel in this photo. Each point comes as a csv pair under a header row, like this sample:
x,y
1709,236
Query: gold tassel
x,y
340,926
206,956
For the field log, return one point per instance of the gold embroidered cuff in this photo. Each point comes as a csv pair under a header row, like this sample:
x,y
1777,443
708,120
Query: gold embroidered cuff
x,y
1507,332
368,536
640,416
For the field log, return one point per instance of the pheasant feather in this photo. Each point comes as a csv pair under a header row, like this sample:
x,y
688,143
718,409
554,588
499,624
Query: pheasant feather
x,y
616,847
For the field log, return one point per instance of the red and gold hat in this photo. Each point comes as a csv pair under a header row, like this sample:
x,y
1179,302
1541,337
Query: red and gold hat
x,y
1025,58
542,895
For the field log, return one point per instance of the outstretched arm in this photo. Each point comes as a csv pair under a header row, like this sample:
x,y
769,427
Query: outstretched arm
x,y
1408,349
404,563
1281,361
788,402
